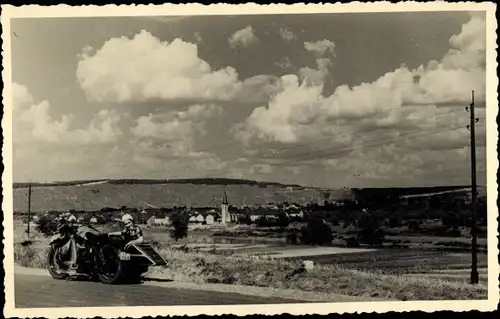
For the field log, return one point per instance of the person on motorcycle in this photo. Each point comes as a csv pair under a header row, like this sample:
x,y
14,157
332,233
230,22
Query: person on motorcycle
x,y
132,233
69,220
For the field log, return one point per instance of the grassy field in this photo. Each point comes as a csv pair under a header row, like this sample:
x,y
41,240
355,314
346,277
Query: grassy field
x,y
387,274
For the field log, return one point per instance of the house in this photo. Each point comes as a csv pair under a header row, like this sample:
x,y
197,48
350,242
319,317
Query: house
x,y
162,221
295,214
254,217
200,218
154,221
210,219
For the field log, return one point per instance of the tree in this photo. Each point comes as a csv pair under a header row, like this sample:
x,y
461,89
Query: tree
x,y
414,225
317,232
292,236
369,231
180,226
47,225
283,220
244,219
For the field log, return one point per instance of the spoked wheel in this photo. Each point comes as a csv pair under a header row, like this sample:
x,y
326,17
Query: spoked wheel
x,y
110,266
53,264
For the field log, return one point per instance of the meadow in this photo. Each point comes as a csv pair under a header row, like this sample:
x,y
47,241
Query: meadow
x,y
391,274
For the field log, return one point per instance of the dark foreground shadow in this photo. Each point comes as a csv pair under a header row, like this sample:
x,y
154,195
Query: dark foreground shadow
x,y
156,280
126,281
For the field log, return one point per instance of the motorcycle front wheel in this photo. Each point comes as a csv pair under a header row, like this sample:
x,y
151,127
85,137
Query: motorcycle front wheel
x,y
110,267
52,265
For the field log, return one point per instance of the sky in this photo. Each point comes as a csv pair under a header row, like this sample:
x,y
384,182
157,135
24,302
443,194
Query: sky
x,y
328,100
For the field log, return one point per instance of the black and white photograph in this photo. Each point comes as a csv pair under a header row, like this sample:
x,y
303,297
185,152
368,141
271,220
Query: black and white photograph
x,y
301,159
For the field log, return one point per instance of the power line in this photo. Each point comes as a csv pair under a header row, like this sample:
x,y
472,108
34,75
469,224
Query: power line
x,y
366,131
358,132
399,108
336,152
326,151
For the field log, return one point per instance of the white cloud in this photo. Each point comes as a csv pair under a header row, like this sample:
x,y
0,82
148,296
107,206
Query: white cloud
x,y
103,128
398,103
174,132
244,38
321,48
284,63
32,123
286,34
144,68
318,75
198,37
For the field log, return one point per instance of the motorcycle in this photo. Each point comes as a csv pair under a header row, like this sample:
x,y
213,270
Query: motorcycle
x,y
100,257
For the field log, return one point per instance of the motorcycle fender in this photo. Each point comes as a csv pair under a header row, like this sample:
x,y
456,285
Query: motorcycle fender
x,y
148,252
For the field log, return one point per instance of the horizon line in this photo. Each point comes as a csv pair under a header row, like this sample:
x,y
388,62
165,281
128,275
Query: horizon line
x,y
241,179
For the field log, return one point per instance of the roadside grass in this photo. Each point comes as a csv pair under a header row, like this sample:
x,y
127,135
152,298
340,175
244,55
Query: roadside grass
x,y
263,272
344,276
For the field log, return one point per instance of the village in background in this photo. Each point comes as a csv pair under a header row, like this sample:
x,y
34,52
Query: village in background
x,y
395,217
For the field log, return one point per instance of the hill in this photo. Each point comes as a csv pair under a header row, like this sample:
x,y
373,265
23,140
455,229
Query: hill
x,y
94,195
194,181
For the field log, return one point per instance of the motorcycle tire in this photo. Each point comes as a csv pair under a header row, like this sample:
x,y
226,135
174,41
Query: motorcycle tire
x,y
117,277
50,264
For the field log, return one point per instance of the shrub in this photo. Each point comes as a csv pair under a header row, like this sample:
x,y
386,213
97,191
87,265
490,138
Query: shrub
x,y
317,232
292,237
395,221
47,225
372,237
180,225
352,242
414,225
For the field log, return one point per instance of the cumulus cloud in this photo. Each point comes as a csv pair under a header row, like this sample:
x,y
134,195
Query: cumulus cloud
x,y
145,68
321,48
284,63
33,123
198,37
429,99
259,88
318,75
286,34
44,144
243,38
173,132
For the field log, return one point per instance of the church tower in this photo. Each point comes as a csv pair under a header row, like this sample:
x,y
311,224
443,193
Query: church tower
x,y
225,210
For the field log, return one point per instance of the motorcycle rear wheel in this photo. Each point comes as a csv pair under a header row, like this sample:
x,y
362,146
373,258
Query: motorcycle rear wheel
x,y
113,265
52,264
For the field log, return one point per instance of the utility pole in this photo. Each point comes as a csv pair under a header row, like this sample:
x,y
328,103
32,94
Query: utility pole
x,y
474,276
29,208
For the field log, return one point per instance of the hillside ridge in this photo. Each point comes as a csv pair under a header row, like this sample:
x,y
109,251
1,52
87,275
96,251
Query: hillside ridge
x,y
94,195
